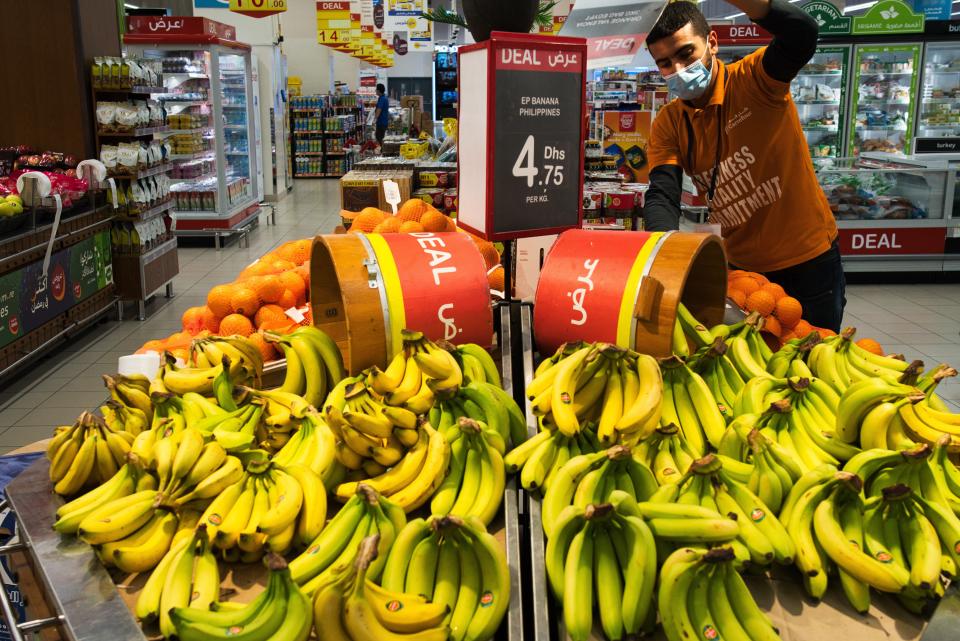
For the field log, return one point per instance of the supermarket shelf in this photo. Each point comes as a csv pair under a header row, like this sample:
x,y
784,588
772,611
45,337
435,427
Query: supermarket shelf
x,y
883,103
188,75
235,127
308,131
236,153
153,212
194,156
318,175
953,126
940,101
833,129
903,129
159,250
336,133
150,171
307,109
944,72
820,74
309,153
886,73
817,102
133,90
194,179
188,132
136,133
185,103
225,106
337,153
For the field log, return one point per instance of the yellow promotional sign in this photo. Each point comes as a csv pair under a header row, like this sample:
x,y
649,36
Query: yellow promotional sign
x,y
355,39
333,23
258,8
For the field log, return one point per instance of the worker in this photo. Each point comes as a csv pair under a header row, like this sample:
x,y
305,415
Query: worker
x,y
735,131
382,117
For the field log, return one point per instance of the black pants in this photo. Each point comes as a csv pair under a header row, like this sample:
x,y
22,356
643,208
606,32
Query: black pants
x,y
819,285
380,133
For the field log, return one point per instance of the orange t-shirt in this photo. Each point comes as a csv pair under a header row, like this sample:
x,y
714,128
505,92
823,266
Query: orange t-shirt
x,y
768,203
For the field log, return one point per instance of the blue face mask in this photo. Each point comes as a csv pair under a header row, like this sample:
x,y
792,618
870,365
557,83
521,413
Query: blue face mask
x,y
690,82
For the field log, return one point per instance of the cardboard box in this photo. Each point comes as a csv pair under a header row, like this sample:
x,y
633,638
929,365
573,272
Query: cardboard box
x,y
426,123
359,189
414,103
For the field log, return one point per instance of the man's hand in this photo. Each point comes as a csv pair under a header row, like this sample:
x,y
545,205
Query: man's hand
x,y
755,9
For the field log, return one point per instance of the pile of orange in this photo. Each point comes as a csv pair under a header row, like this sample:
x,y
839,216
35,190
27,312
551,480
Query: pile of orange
x,y
254,303
413,216
782,314
416,215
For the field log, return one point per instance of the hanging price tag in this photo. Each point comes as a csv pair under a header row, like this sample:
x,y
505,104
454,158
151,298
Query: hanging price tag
x,y
391,193
258,8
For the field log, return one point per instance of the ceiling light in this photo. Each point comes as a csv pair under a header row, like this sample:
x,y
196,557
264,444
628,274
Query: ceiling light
x,y
736,15
855,7
130,6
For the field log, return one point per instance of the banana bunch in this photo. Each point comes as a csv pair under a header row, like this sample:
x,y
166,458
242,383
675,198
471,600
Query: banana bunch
x,y
761,537
877,399
477,364
314,363
476,477
747,350
618,390
133,393
413,476
245,360
946,488
371,436
280,613
689,404
89,452
540,458
129,479
313,446
928,382
185,463
692,330
702,596
367,513
266,508
121,418
666,453
715,367
421,372
773,469
351,607
607,556
456,564
790,359
591,478
485,403
800,414
840,362
924,424
187,575
283,415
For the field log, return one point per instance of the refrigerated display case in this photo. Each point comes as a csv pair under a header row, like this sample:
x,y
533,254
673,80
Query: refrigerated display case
x,y
894,212
883,99
819,92
207,73
938,120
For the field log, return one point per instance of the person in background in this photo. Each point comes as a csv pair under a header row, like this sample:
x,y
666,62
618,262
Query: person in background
x,y
735,131
382,114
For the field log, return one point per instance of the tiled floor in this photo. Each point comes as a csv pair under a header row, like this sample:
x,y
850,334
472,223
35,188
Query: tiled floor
x,y
920,321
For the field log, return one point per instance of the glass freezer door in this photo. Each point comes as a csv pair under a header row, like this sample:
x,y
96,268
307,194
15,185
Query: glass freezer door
x,y
884,90
819,92
938,124
236,140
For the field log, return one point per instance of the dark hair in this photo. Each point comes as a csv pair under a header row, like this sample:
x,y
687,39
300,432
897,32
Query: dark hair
x,y
381,88
675,17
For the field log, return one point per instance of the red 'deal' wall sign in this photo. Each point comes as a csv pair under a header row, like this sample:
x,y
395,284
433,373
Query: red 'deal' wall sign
x,y
521,131
880,241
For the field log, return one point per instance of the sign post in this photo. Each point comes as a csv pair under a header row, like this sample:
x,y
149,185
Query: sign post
x,y
258,8
521,135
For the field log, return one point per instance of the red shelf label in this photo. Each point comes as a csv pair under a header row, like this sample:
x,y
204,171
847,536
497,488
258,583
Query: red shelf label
x,y
881,241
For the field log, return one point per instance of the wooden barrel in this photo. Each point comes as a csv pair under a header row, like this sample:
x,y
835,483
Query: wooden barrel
x,y
364,289
623,287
